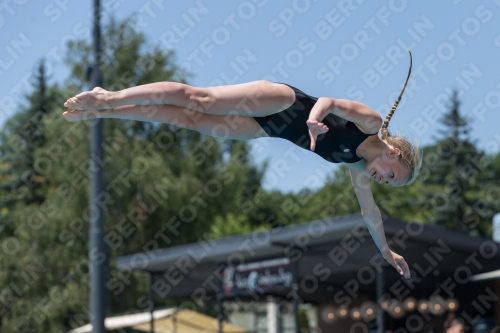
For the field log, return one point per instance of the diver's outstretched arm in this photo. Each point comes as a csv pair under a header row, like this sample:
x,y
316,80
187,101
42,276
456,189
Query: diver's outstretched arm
x,y
373,219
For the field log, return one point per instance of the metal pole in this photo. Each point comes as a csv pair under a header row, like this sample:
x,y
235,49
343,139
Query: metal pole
x,y
380,291
220,295
96,231
295,296
151,303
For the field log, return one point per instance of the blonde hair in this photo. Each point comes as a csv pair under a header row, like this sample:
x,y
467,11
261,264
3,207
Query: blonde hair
x,y
411,156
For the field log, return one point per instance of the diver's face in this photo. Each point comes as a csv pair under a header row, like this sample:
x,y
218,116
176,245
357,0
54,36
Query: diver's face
x,y
387,168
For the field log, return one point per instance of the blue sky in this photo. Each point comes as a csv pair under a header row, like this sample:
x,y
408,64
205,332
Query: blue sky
x,y
343,49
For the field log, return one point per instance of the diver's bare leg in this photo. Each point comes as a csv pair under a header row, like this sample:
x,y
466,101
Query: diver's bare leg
x,y
229,126
253,99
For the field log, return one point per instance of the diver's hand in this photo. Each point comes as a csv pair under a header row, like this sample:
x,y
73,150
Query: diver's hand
x,y
399,264
315,128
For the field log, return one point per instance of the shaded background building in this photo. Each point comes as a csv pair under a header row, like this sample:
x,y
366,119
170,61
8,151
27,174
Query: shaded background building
x,y
338,271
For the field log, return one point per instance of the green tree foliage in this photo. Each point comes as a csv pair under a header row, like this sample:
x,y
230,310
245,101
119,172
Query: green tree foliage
x,y
230,225
488,203
164,186
336,198
452,167
22,180
23,189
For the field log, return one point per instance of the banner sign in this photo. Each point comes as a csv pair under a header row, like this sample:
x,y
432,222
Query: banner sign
x,y
258,277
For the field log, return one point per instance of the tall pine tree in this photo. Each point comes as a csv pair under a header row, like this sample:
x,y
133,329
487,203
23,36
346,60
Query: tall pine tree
x,y
452,171
22,181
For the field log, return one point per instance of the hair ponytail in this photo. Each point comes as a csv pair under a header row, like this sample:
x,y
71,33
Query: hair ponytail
x,y
410,155
385,131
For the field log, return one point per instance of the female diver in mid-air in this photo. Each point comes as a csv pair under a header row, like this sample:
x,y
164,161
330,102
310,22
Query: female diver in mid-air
x,y
340,131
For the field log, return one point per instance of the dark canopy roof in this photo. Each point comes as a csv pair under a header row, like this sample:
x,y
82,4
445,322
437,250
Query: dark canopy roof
x,y
340,246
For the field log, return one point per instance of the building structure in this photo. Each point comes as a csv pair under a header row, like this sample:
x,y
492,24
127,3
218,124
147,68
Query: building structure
x,y
335,267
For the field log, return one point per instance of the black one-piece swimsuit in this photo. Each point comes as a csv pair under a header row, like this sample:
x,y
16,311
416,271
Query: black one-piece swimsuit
x,y
338,145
